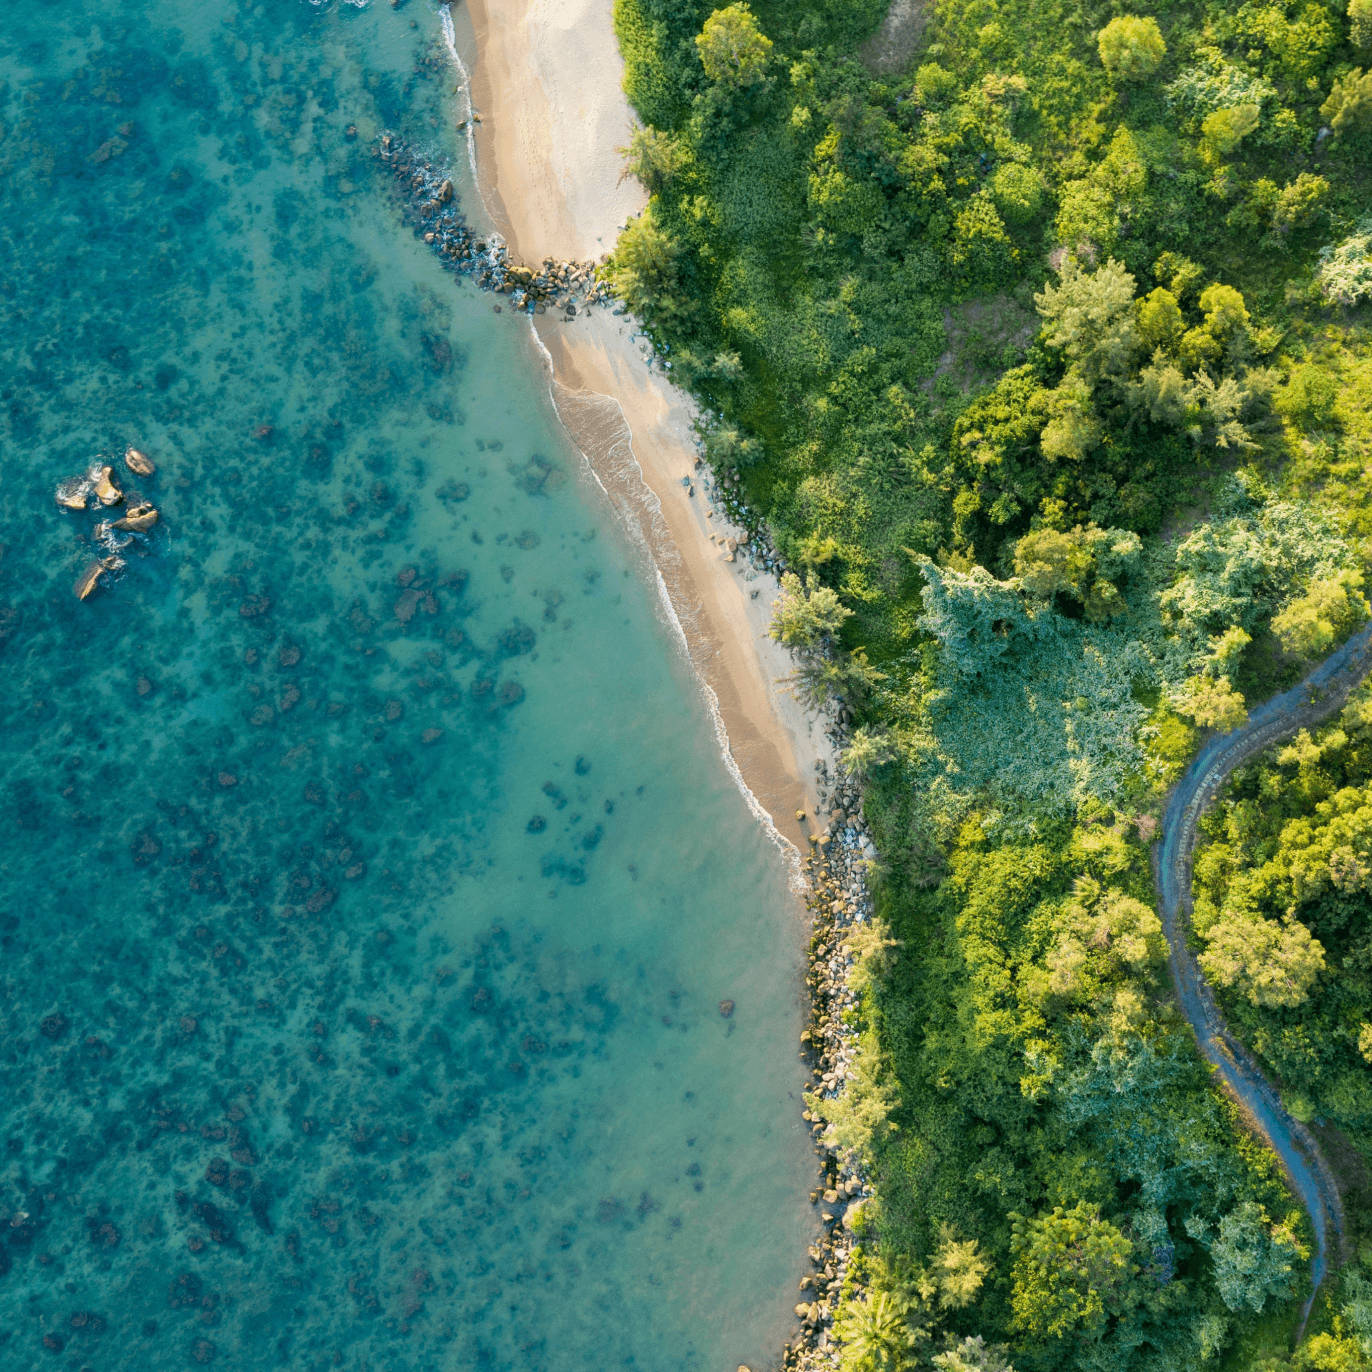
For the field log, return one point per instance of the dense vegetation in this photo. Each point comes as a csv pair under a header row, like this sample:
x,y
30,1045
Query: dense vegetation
x,y
1038,336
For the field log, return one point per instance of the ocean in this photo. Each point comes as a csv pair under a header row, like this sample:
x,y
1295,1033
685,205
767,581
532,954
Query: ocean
x,y
391,975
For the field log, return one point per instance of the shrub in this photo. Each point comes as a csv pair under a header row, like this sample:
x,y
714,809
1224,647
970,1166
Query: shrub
x,y
806,615
1272,964
1131,48
653,158
1017,191
1072,1269
1300,202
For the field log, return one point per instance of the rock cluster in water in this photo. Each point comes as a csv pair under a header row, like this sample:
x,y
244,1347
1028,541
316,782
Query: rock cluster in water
x,y
98,487
429,203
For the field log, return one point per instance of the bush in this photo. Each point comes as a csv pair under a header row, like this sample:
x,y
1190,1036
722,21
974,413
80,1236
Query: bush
x,y
1131,48
982,253
1017,191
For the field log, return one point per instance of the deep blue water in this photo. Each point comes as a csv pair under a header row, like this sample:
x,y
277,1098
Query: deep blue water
x,y
371,881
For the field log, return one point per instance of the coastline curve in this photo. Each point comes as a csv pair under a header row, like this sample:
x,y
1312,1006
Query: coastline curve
x,y
1313,700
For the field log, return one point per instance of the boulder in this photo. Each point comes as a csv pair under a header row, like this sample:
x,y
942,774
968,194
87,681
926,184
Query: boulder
x,y
138,462
140,518
101,478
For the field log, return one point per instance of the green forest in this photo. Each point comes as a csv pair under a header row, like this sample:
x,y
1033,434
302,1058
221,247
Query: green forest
x,y
1039,340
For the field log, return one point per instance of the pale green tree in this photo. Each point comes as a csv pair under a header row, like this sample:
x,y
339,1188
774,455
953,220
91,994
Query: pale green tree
x,y
806,613
875,1334
643,269
867,750
1300,202
1131,48
1223,130
1309,625
863,1111
1349,106
959,1268
1084,563
733,50
1254,1258
972,1354
1212,702
1090,316
1273,964
1100,935
653,158
1226,649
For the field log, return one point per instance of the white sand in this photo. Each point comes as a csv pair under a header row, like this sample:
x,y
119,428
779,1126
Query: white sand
x,y
547,87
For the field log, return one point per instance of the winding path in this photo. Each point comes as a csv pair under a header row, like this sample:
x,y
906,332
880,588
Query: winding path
x,y
1320,695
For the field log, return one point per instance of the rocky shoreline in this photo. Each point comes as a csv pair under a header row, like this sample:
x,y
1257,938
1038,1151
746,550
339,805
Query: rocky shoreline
x,y
430,205
838,901
838,898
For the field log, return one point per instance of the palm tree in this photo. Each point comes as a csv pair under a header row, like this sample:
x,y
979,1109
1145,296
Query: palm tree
x,y
876,1331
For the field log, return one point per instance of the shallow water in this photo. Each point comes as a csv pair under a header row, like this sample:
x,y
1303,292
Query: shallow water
x,y
372,881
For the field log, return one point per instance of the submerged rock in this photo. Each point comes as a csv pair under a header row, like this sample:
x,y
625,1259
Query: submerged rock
x,y
138,462
90,578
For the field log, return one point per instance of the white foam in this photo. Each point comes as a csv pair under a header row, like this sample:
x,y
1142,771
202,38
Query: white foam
x,y
464,88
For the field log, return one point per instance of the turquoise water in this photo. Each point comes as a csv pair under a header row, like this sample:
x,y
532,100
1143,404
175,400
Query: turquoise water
x,y
372,881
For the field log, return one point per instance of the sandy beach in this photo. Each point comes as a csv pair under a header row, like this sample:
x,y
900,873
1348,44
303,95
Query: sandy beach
x,y
547,88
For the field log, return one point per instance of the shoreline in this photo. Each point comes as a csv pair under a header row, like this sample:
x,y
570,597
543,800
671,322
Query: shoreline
x,y
546,87
562,201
